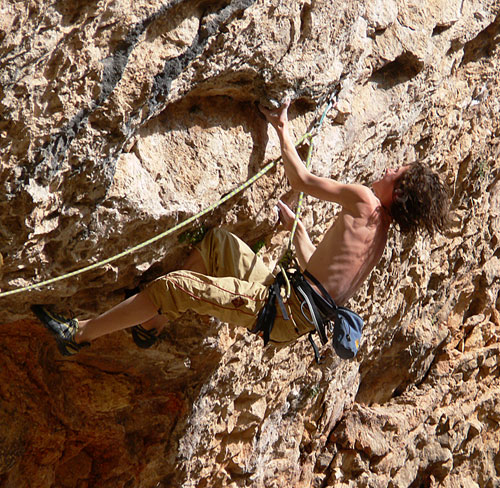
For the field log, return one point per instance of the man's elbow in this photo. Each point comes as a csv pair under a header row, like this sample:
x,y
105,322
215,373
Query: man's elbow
x,y
300,183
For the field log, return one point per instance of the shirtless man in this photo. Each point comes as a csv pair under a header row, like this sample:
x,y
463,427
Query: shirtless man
x,y
223,278
355,242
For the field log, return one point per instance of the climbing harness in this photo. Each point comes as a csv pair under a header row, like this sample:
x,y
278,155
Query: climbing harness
x,y
309,135
267,314
318,308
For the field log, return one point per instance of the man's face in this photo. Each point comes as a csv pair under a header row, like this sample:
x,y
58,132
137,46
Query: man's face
x,y
384,187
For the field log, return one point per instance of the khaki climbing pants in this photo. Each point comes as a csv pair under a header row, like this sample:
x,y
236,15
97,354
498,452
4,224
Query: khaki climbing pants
x,y
234,289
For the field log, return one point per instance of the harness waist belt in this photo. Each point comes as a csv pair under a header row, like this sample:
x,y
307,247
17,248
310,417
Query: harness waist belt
x,y
321,306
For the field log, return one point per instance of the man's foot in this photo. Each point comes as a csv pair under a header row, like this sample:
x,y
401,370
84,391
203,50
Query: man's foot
x,y
62,329
144,338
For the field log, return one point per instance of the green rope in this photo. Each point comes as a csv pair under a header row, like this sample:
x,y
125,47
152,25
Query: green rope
x,y
186,222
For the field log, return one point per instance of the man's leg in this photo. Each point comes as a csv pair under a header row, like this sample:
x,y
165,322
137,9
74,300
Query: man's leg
x,y
194,262
135,310
138,309
239,252
71,334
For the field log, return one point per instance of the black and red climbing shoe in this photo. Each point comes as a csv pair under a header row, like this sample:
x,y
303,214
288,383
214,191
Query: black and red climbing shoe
x,y
144,338
61,328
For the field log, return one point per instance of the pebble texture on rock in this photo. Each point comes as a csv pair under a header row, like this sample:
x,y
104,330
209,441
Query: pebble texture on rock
x,y
119,119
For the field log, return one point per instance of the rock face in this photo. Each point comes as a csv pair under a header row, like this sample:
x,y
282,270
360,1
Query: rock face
x,y
120,119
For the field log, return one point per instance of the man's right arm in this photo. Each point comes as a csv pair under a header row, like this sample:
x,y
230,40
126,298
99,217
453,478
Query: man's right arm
x,y
295,170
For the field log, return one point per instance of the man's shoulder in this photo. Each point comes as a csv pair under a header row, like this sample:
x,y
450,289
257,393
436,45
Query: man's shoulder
x,y
365,201
364,192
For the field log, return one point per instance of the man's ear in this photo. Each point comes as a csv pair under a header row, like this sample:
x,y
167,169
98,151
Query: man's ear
x,y
397,192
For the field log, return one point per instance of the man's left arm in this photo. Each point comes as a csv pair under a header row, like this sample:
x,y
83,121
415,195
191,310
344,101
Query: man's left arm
x,y
350,196
304,248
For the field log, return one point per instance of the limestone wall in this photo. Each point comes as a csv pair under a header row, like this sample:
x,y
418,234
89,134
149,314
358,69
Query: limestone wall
x,y
119,119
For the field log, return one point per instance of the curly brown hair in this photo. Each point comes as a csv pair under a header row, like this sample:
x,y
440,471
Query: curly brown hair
x,y
420,201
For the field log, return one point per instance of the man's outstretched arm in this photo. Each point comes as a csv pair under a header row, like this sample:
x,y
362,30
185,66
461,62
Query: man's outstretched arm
x,y
300,178
295,170
304,248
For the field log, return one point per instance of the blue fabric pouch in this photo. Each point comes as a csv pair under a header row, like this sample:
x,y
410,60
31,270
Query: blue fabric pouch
x,y
347,330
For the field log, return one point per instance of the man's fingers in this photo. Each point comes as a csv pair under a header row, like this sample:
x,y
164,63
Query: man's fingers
x,y
284,206
274,111
286,216
280,207
285,212
263,109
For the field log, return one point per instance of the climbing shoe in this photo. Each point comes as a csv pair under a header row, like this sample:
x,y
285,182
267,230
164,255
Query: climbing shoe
x,y
144,338
62,329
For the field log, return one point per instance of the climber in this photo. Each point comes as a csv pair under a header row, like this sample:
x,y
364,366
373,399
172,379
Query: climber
x,y
225,279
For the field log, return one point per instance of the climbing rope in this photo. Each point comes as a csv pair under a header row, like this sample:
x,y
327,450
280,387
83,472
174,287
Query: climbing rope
x,y
186,222
310,135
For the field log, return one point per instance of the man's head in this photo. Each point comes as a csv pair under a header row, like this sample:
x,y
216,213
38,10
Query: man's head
x,y
384,187
419,200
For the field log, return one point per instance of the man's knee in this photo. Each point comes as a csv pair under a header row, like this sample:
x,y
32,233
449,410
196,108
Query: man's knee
x,y
195,262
